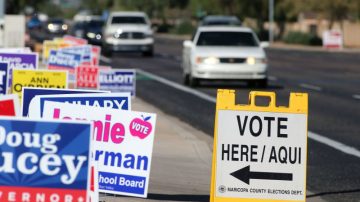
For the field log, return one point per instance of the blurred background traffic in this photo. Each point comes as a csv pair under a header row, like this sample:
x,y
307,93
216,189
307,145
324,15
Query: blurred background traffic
x,y
296,22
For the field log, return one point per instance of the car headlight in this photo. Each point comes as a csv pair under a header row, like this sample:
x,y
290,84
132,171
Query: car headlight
x,y
207,60
253,60
64,27
90,35
51,26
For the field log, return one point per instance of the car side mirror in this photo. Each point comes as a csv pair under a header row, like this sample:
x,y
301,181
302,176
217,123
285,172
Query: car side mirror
x,y
187,44
264,44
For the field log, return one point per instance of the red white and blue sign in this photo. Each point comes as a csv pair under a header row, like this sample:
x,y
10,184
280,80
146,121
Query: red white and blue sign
x,y
123,142
120,80
42,160
63,60
84,50
121,101
4,76
29,93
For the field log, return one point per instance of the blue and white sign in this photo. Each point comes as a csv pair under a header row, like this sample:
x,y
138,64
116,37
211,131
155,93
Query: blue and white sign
x,y
83,50
121,101
42,159
123,142
4,76
29,93
119,80
63,60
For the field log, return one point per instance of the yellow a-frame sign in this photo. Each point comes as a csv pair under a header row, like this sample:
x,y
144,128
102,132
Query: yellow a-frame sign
x,y
260,152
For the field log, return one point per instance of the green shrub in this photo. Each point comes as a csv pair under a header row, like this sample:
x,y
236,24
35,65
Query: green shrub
x,y
302,38
164,28
184,27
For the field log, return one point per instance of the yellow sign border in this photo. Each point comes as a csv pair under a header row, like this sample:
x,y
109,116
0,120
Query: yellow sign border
x,y
225,100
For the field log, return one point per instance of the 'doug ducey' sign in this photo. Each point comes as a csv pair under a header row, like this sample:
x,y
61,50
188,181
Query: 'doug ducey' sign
x,y
42,161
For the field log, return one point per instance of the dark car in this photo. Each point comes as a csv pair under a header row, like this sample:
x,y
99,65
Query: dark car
x,y
214,20
90,29
56,26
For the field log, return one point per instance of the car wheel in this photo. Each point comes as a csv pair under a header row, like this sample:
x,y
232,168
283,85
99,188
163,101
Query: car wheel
x,y
149,53
262,83
193,82
186,79
107,52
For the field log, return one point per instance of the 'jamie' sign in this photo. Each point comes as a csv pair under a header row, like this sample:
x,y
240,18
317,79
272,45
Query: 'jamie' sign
x,y
123,167
42,160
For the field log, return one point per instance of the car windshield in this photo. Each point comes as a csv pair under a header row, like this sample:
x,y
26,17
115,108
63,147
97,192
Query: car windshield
x,y
128,20
96,23
217,38
56,21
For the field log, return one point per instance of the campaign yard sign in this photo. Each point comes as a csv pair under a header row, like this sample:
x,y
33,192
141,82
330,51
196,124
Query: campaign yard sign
x,y
30,94
4,76
42,160
260,152
20,60
63,60
51,45
121,101
87,76
124,168
9,105
84,50
38,78
120,80
95,55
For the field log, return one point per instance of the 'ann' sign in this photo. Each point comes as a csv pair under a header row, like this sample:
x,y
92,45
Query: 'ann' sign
x,y
38,78
259,151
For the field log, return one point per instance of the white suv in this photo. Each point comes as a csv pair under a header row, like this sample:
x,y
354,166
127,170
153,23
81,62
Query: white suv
x,y
128,31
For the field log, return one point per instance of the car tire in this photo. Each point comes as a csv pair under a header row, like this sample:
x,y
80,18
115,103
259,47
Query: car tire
x,y
262,83
149,53
186,79
193,82
107,52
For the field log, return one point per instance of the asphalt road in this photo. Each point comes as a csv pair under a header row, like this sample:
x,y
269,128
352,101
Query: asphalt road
x,y
331,79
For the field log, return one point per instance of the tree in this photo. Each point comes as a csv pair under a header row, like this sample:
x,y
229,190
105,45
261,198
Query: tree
x,y
333,10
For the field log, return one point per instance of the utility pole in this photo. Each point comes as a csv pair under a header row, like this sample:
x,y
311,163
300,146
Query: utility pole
x,y
271,21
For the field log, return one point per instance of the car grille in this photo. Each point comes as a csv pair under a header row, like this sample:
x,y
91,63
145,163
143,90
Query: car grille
x,y
232,60
131,35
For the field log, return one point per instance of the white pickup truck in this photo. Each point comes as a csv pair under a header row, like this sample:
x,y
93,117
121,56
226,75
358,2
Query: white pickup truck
x,y
128,31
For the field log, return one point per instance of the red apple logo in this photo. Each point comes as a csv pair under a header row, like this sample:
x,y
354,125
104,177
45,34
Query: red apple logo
x,y
140,127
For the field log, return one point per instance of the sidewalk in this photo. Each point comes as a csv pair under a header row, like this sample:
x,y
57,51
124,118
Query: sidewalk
x,y
181,163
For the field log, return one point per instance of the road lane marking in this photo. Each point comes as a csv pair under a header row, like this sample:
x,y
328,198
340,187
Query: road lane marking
x,y
177,86
356,97
314,136
105,59
334,144
311,87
